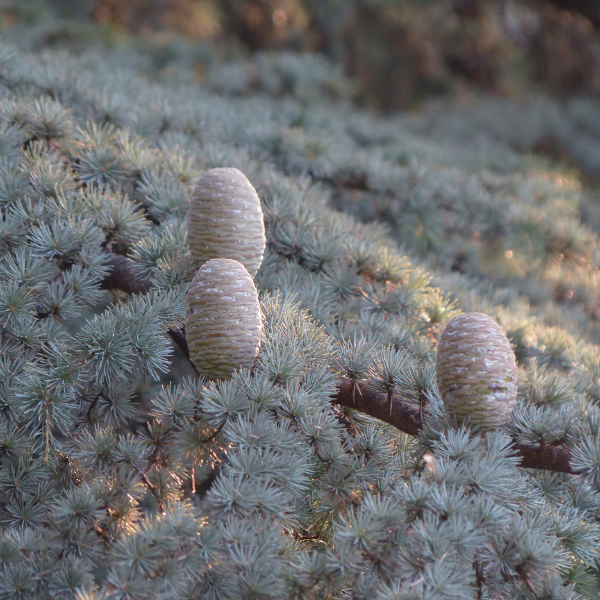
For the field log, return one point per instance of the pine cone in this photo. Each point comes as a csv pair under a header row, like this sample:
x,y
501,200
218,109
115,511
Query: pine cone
x,y
226,220
476,371
223,320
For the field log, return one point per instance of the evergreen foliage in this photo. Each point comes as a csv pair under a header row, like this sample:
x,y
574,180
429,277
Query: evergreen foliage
x,y
125,475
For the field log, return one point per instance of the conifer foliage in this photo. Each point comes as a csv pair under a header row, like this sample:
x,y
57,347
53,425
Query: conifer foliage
x,y
126,475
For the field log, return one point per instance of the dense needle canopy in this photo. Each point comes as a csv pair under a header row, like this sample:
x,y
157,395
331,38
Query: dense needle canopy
x,y
126,475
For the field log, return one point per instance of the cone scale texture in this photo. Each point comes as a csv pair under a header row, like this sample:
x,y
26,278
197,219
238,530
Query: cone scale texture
x,y
226,220
223,320
476,371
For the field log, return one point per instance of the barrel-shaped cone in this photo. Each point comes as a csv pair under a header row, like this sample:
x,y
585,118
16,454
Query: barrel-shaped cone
x,y
476,371
226,220
223,319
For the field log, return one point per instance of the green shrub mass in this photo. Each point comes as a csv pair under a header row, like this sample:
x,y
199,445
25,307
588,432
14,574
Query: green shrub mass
x,y
124,475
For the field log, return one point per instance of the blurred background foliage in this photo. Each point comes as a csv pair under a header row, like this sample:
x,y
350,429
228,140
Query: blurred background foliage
x,y
399,52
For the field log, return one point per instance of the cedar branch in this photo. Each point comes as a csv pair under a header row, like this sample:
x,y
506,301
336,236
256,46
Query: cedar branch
x,y
403,416
407,418
123,276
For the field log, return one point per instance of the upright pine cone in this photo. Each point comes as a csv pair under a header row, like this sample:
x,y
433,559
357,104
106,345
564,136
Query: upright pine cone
x,y
223,320
476,371
226,220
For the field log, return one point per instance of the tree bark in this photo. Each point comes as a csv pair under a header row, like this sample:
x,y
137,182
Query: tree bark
x,y
407,418
123,277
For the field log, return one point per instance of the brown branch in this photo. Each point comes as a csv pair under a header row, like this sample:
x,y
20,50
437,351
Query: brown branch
x,y
403,416
480,579
550,458
178,337
123,277
520,571
408,419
